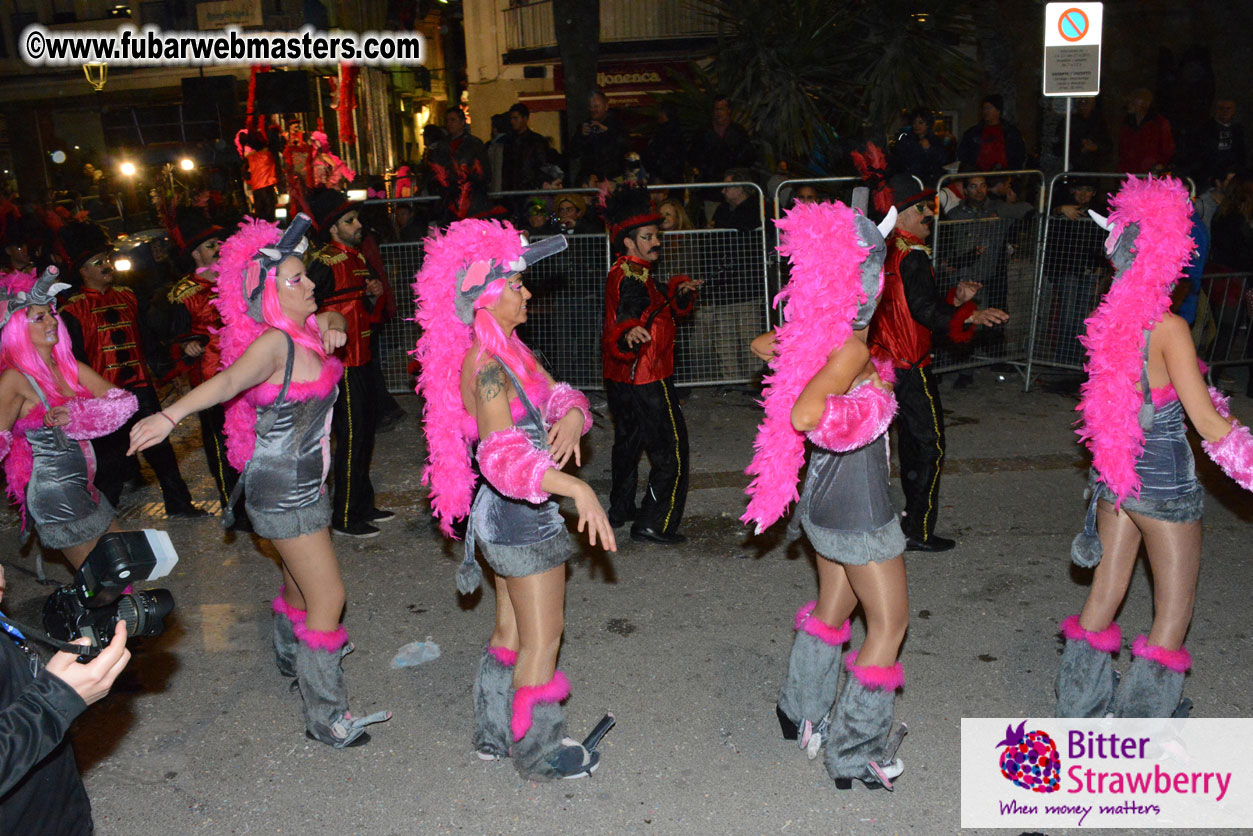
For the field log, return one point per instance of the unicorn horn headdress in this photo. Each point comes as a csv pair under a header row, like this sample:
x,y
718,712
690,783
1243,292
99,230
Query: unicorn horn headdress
x,y
43,292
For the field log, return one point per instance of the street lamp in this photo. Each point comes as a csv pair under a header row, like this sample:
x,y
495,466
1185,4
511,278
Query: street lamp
x,y
128,169
186,164
97,73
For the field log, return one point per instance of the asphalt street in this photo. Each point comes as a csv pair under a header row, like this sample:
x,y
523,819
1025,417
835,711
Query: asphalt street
x,y
686,646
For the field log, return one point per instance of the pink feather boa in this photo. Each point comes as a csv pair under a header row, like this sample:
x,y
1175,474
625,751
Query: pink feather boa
x,y
526,698
821,300
440,351
873,677
513,465
1139,298
94,417
239,330
851,421
564,398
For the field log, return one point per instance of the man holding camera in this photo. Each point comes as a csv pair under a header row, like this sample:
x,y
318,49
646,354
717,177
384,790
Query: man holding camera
x,y
41,792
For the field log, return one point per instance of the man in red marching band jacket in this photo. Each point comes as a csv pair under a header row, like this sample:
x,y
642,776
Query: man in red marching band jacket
x,y
909,312
344,282
192,336
638,363
103,322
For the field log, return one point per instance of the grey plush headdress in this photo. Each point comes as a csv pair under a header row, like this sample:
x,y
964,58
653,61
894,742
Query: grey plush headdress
x,y
293,243
43,293
474,279
873,237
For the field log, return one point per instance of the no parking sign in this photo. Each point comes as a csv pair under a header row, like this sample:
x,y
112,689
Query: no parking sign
x,y
1072,49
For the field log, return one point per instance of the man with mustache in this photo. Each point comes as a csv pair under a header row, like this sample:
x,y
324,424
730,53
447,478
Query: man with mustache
x,y
638,364
344,282
104,326
910,310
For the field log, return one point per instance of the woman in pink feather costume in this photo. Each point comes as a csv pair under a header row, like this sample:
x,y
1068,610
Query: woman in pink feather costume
x,y
280,381
823,386
1143,377
50,406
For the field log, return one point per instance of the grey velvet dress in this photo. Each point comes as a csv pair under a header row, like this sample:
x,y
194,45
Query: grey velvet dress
x,y
846,508
1169,489
518,538
285,480
61,500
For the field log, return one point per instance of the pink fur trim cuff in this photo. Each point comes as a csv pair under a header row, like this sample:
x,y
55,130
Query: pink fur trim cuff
x,y
803,613
513,465
504,655
327,640
526,698
1234,454
820,630
94,417
874,677
1108,640
1176,660
564,398
852,421
283,608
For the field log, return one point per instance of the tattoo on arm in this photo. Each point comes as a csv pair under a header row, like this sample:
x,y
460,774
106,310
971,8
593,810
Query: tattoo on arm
x,y
490,382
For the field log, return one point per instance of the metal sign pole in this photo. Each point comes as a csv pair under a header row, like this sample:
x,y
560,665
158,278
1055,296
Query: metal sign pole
x,y
1066,153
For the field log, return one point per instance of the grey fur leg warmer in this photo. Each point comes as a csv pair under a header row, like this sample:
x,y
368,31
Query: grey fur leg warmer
x,y
863,718
321,679
1153,684
493,700
285,618
1085,677
541,751
813,669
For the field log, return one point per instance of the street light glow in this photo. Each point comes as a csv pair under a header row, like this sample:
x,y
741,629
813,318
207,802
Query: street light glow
x,y
128,169
122,264
186,164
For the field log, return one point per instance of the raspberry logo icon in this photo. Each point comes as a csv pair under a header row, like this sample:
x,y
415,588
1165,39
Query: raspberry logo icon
x,y
1030,759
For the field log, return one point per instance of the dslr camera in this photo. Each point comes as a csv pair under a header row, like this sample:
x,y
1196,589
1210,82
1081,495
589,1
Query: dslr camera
x,y
98,597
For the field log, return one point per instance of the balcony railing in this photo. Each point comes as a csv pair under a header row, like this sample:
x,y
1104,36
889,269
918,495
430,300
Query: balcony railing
x,y
529,24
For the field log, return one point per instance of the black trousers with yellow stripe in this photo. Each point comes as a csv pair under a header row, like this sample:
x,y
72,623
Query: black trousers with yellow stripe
x,y
647,418
920,445
352,426
213,436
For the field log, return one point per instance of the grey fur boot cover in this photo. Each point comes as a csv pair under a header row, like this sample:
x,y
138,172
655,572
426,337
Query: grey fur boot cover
x,y
813,675
859,730
1085,680
543,753
321,679
493,701
284,645
1148,689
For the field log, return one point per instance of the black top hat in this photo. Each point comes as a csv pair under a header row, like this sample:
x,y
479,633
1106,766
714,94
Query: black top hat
x,y
328,206
908,191
192,228
79,241
628,207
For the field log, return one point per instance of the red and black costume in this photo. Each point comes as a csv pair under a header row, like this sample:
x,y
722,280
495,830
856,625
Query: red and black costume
x,y
460,173
910,310
104,328
339,274
639,385
262,167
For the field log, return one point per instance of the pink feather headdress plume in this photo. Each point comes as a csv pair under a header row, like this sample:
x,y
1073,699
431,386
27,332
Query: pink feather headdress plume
x,y
239,330
1138,299
442,347
820,301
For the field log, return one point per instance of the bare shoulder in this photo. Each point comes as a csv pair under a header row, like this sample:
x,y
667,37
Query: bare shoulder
x,y
1170,332
490,381
13,382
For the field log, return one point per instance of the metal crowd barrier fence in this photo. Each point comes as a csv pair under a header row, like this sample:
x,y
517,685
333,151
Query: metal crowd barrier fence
x,y
997,245
1223,328
566,313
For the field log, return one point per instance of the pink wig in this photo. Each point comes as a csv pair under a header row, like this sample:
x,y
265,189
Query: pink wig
x,y
491,338
821,300
17,351
237,271
1138,299
442,348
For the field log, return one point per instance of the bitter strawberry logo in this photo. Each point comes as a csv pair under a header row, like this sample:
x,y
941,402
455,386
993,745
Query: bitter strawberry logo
x,y
1030,759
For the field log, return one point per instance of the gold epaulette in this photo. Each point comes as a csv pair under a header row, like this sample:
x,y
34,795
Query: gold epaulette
x,y
183,290
635,271
902,244
330,256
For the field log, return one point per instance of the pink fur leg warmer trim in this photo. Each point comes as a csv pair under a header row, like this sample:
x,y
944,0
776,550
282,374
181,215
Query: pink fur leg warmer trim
x,y
852,421
504,655
1176,660
824,632
513,465
327,640
564,398
874,677
1234,454
6,440
1108,640
94,417
526,697
280,606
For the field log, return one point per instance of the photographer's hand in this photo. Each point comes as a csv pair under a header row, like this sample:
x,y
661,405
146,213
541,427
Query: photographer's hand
x,y
93,680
